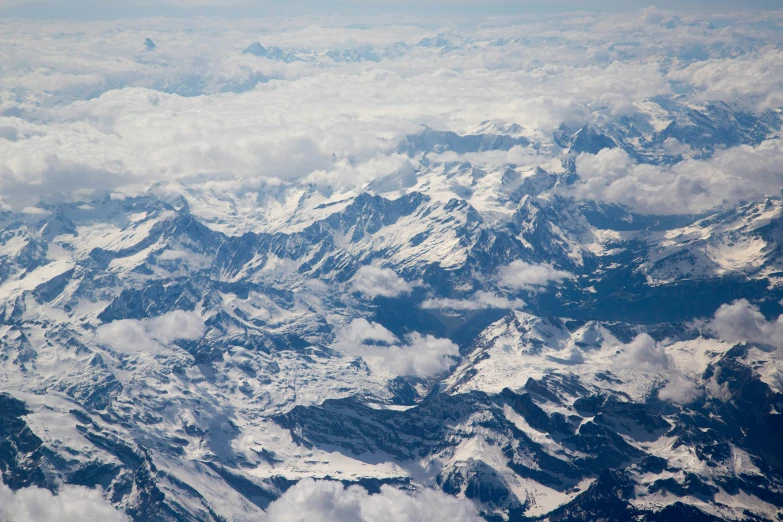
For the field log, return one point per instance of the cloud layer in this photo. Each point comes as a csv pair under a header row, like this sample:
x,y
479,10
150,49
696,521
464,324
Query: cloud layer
x,y
85,107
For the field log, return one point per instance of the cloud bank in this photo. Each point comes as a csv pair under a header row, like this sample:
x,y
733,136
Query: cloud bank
x,y
86,108
741,321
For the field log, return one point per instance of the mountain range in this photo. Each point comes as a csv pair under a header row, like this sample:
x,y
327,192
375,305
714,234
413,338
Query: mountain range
x,y
491,331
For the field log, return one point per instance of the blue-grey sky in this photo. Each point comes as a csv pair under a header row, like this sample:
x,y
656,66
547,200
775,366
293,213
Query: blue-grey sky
x,y
108,9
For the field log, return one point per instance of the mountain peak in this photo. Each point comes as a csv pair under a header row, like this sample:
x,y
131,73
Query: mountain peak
x,y
256,49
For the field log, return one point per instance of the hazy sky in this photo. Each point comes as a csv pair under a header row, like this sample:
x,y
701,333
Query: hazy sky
x,y
108,9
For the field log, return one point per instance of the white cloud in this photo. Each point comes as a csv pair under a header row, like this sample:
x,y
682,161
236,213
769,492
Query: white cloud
x,y
730,176
373,281
176,325
70,504
87,110
643,354
481,300
520,275
328,501
151,335
754,77
680,390
674,147
360,330
741,321
35,211
653,15
332,124
345,173
127,335
316,285
420,355
737,322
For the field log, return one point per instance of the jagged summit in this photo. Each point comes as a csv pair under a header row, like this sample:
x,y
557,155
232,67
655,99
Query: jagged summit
x,y
272,52
149,44
256,49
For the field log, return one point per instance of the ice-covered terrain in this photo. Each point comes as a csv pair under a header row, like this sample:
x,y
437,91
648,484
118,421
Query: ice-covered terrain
x,y
520,270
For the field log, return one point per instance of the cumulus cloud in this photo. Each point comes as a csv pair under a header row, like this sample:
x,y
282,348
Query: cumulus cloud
x,y
520,275
70,504
481,300
127,335
419,355
643,354
753,78
736,322
373,281
151,335
361,330
730,176
329,501
741,321
674,148
680,390
392,171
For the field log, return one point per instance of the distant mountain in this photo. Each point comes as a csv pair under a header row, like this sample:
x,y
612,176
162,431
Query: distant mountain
x,y
272,53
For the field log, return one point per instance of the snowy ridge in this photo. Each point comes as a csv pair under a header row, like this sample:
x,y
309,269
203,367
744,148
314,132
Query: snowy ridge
x,y
161,355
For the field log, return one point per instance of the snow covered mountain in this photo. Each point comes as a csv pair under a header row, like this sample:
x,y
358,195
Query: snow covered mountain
x,y
317,278
469,329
